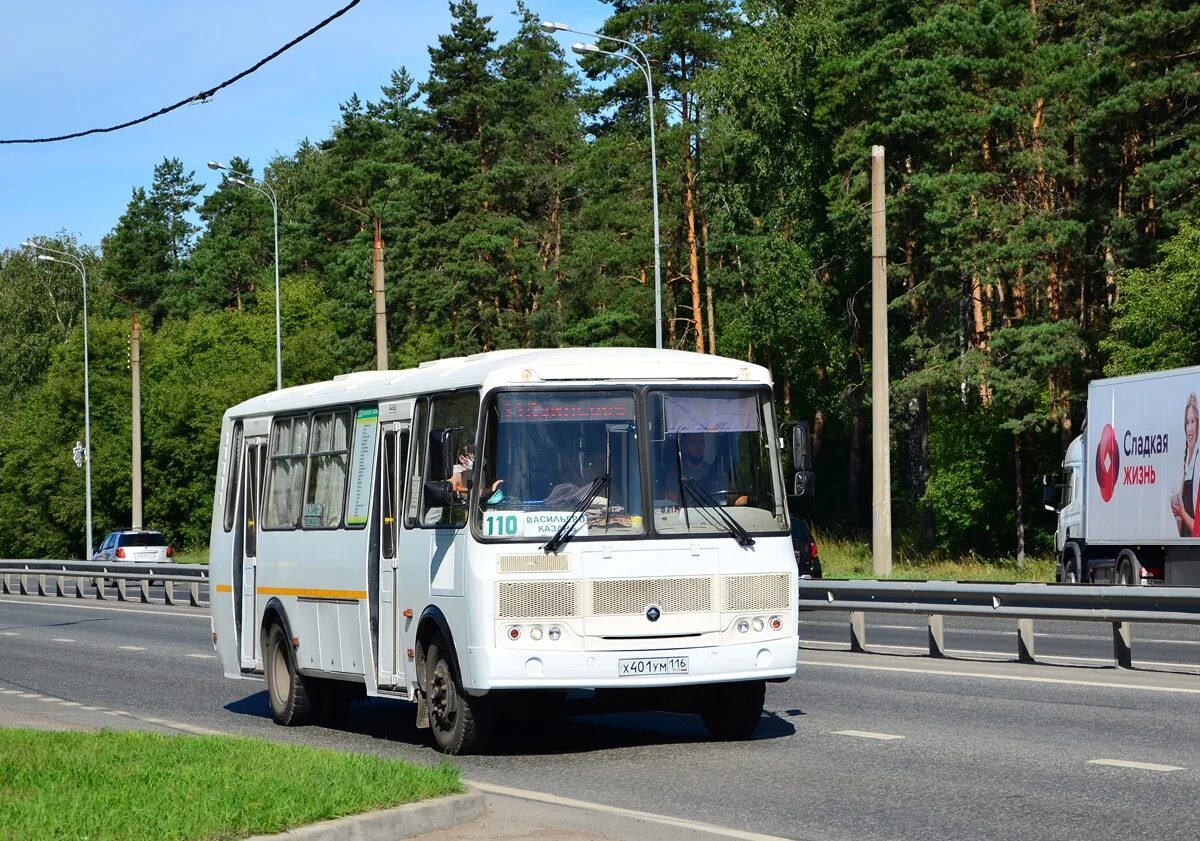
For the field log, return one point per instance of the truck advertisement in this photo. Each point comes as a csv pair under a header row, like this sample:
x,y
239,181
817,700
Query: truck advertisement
x,y
1140,459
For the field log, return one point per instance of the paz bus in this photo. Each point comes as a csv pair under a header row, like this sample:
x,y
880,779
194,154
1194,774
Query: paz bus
x,y
484,534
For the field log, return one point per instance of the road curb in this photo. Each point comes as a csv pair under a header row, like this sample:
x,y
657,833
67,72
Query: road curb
x,y
407,821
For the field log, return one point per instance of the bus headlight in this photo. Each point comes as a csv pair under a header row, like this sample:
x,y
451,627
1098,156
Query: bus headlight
x,y
743,626
535,633
554,633
758,624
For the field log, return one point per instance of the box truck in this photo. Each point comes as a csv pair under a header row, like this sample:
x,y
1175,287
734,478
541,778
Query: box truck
x,y
1128,502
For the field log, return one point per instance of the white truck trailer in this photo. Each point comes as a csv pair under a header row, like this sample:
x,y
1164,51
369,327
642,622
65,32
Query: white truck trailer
x,y
1127,506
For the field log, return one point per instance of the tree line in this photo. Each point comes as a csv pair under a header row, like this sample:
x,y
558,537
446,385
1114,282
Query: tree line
x,y
1042,165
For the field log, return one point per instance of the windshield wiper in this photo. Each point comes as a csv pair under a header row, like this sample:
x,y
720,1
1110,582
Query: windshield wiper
x,y
732,526
567,530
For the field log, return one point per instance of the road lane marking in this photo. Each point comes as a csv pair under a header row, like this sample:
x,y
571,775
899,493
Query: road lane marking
x,y
195,613
131,647
991,656
867,734
1017,678
1141,766
61,639
30,695
203,656
70,703
10,691
90,709
9,634
650,817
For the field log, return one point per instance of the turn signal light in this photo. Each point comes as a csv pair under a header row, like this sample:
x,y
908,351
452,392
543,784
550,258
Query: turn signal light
x,y
514,633
776,623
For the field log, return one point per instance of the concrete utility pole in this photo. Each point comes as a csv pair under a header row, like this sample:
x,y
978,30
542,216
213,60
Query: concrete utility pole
x,y
135,368
881,474
381,348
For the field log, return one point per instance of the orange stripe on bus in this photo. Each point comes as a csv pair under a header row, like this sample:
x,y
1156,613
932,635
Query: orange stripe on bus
x,y
224,588
311,593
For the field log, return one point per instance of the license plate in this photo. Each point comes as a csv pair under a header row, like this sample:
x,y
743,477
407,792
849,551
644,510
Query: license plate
x,y
652,666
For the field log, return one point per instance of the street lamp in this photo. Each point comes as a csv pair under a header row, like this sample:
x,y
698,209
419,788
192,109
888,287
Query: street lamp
x,y
77,264
643,65
243,179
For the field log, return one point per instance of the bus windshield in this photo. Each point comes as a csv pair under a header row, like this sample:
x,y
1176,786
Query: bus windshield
x,y
711,462
549,454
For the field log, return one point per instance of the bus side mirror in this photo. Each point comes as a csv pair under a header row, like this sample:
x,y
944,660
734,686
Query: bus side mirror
x,y
801,450
1049,495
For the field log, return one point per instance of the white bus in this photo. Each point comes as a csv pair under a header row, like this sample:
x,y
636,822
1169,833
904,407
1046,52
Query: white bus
x,y
491,530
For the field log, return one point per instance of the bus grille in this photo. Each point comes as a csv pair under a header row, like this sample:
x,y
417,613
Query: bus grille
x,y
536,599
533,562
744,593
630,596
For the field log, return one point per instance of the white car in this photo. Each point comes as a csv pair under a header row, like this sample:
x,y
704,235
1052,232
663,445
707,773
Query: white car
x,y
142,546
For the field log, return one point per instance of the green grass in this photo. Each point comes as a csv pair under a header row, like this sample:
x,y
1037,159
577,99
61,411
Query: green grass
x,y
192,556
132,785
842,558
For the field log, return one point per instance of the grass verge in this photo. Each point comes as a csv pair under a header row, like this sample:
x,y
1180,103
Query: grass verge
x,y
131,785
841,558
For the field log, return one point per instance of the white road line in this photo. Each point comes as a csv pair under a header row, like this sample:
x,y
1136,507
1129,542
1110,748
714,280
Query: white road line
x,y
61,639
203,656
867,734
90,709
131,647
996,656
1141,766
1017,678
9,634
10,691
48,700
30,695
70,703
187,728
649,817
43,603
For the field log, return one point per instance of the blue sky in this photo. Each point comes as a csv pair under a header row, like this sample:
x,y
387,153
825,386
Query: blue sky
x,y
83,64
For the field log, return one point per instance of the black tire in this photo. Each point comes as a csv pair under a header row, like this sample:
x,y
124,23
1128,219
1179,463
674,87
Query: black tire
x,y
1124,576
732,711
1070,569
288,692
460,723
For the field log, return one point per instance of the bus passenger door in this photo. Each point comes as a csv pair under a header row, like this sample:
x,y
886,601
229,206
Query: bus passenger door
x,y
255,455
392,470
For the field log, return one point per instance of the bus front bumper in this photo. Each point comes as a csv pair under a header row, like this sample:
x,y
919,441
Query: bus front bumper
x,y
544,668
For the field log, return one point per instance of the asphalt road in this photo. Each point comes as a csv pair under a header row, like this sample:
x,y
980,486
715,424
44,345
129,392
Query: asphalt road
x,y
857,747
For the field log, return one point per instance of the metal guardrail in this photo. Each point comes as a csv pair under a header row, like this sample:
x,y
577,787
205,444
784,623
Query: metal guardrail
x,y
1117,605
103,581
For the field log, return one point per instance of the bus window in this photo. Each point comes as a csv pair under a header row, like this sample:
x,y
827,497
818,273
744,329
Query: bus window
x,y
391,491
233,463
328,460
450,442
289,447
548,453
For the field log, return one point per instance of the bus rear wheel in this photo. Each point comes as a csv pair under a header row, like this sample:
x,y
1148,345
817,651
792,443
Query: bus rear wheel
x,y
461,723
287,691
732,711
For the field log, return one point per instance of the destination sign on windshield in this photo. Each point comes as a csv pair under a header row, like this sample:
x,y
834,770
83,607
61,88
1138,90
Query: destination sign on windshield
x,y
561,407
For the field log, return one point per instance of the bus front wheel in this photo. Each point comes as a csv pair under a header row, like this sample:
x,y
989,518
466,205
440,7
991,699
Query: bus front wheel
x,y
460,723
287,690
732,711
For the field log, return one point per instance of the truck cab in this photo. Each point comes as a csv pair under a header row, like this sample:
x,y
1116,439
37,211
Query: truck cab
x,y
1070,513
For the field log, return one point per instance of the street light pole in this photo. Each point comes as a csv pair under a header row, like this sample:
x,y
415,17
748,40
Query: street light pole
x,y
77,264
644,66
243,179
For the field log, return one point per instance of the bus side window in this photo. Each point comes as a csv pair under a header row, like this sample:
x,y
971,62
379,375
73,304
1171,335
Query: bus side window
x,y
233,463
454,418
417,462
391,492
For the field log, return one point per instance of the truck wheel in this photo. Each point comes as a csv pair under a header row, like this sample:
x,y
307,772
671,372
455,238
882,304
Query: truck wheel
x,y
460,723
289,694
732,711
1125,563
1070,569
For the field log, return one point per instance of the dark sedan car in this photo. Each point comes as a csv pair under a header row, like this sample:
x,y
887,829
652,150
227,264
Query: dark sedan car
x,y
807,560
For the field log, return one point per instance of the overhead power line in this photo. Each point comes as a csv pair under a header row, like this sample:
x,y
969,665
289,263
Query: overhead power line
x,y
203,96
